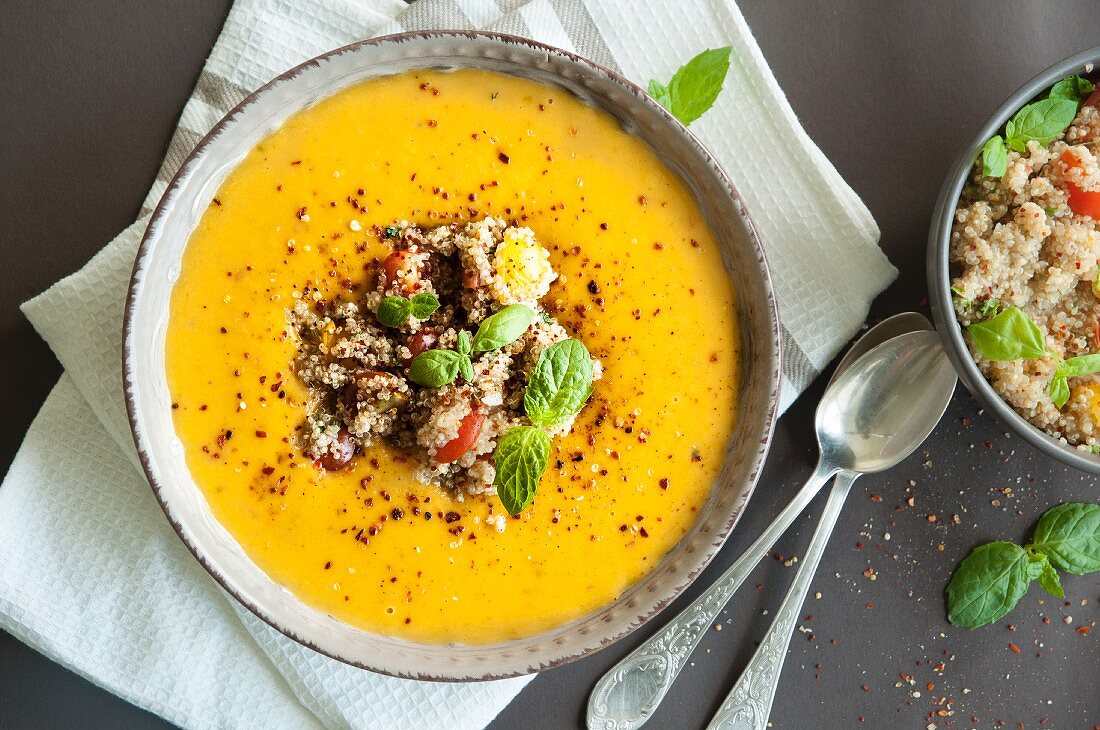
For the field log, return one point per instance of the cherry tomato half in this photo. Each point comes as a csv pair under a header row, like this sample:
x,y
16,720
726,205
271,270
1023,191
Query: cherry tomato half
x,y
468,431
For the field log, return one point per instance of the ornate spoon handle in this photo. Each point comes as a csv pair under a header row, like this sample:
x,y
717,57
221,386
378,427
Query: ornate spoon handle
x,y
627,696
750,701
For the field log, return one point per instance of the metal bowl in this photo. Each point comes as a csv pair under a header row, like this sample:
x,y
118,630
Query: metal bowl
x,y
157,268
939,276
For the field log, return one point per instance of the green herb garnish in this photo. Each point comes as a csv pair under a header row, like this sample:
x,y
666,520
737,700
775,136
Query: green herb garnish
x,y
393,231
1075,87
521,457
502,328
560,384
395,311
436,368
1069,535
695,86
1040,121
994,157
1011,335
993,578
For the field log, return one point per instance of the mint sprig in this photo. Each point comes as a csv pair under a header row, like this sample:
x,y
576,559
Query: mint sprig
x,y
995,576
694,88
395,311
436,368
521,457
1012,335
559,385
1040,121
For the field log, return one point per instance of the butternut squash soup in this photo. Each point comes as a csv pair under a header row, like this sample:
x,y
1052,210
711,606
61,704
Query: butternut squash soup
x,y
339,254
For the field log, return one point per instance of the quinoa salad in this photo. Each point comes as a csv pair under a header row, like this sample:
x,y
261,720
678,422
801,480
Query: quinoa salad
x,y
450,359
1024,254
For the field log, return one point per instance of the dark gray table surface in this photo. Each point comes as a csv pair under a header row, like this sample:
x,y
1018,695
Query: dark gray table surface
x,y
90,93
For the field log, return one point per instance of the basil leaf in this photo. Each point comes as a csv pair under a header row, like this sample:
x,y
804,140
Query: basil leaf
x,y
988,584
559,385
994,157
394,311
1081,365
1011,335
465,367
1048,579
423,305
1069,535
435,368
521,457
695,86
1075,88
502,328
1059,389
1040,121
463,345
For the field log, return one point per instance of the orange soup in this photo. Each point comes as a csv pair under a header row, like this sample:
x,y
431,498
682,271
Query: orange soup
x,y
301,217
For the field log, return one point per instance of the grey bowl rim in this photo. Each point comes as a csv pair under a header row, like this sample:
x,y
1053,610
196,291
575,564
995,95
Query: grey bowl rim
x,y
770,307
939,274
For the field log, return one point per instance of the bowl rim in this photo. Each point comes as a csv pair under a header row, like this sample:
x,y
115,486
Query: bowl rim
x,y
769,308
939,274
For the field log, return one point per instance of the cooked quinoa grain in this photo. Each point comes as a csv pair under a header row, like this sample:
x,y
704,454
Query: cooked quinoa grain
x,y
357,370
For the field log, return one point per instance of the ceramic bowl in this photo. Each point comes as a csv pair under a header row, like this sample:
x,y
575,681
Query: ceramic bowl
x,y
158,265
939,270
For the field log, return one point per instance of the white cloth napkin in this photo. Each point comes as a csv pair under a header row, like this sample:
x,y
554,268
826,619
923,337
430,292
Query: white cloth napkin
x,y
92,574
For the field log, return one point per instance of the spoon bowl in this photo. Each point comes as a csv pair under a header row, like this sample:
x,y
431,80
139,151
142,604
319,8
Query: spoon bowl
x,y
880,409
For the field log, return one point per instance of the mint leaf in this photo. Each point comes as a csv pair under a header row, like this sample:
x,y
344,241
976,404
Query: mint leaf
x,y
1059,389
435,368
521,457
423,305
659,92
1075,88
988,584
1040,121
1069,535
1048,579
695,86
1081,365
559,385
394,311
502,328
466,368
994,157
1011,335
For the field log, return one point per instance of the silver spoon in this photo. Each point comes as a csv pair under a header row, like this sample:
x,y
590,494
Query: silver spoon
x,y
748,704
626,697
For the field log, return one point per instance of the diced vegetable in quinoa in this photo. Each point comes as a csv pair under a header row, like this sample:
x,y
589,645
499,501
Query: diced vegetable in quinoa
x,y
1024,249
451,357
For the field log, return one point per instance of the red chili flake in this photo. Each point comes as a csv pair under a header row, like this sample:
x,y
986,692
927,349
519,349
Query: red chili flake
x,y
268,470
397,514
1015,649
451,517
504,158
1084,630
328,564
301,212
663,483
224,331
876,498
603,226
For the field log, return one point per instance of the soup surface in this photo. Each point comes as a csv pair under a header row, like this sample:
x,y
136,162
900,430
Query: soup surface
x,y
642,285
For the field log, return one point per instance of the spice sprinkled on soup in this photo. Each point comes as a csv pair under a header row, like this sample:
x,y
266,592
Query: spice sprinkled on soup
x,y
453,357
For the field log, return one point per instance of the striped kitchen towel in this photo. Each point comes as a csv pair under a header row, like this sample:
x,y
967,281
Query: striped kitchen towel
x,y
95,578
